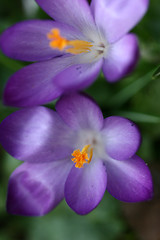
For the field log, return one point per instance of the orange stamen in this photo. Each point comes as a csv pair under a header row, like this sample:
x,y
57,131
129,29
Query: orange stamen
x,y
72,46
56,40
81,157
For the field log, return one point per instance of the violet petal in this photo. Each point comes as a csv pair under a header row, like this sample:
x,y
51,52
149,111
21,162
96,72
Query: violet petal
x,y
78,76
35,189
36,135
118,17
121,136
28,40
80,112
129,180
122,58
33,85
85,187
75,13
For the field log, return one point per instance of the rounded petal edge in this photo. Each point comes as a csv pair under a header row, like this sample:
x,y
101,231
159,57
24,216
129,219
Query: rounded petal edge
x,y
80,111
85,187
121,137
35,189
129,180
122,58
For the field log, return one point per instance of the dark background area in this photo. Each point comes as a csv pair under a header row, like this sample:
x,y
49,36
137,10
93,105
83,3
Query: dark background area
x,y
136,97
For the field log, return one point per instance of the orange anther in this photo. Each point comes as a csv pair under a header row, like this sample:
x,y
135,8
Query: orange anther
x,y
81,157
72,46
56,40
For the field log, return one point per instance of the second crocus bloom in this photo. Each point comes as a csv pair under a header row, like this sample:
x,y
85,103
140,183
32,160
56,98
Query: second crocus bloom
x,y
73,153
72,49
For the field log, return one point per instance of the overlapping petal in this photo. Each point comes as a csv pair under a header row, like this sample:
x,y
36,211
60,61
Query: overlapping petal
x,y
80,112
129,181
76,13
121,137
28,40
35,189
121,59
117,17
33,85
36,135
42,82
85,187
78,76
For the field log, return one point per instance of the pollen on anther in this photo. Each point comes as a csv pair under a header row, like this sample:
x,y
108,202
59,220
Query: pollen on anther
x,y
81,157
56,40
70,46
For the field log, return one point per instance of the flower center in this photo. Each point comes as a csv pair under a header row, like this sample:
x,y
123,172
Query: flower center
x,y
70,46
81,157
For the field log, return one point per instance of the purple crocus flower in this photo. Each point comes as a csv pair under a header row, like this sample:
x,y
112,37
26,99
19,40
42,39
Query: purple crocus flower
x,y
71,50
72,153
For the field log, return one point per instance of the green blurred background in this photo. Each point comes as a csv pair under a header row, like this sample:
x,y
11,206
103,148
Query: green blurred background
x,y
136,97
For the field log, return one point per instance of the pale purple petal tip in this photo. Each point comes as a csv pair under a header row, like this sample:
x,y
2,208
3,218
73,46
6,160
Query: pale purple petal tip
x,y
85,187
122,58
129,180
118,17
121,136
80,112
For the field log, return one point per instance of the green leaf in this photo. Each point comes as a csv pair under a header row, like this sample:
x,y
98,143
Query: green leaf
x,y
129,91
138,117
156,74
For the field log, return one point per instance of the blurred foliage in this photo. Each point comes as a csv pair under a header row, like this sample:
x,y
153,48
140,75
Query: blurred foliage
x,y
156,74
136,97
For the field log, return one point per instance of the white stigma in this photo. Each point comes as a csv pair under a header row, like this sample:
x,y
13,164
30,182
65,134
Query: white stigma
x,y
98,50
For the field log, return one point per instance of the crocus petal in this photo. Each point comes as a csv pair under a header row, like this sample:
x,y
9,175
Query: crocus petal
x,y
129,181
78,76
33,85
121,136
117,17
35,189
76,13
85,187
36,135
121,58
28,40
80,112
